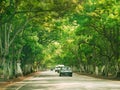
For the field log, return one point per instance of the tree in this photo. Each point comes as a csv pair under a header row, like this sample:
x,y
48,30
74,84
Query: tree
x,y
96,18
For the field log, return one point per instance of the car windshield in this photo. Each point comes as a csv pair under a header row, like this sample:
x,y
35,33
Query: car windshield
x,y
66,68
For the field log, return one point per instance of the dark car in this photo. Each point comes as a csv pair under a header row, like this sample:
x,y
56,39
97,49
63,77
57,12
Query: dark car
x,y
65,71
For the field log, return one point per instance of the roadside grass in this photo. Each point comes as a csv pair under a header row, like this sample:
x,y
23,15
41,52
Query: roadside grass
x,y
4,84
100,77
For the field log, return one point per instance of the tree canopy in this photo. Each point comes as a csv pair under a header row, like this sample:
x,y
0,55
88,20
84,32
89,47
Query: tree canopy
x,y
42,33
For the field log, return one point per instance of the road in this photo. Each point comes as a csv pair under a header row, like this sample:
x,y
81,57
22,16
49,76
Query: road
x,y
50,80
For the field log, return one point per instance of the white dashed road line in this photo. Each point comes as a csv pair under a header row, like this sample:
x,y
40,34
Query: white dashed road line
x,y
20,86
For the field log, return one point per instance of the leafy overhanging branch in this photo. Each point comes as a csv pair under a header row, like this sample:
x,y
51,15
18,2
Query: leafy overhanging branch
x,y
21,28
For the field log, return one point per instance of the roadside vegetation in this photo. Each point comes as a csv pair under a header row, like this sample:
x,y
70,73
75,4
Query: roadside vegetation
x,y
37,34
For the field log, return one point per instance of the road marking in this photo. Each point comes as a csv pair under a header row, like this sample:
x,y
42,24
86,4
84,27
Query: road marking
x,y
20,86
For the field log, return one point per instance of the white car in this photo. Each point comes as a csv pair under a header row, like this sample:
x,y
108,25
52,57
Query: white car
x,y
58,67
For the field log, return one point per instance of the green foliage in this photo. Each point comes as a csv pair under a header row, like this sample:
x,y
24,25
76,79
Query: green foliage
x,y
70,32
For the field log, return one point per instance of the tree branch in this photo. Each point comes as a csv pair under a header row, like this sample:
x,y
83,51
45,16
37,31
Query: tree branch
x,y
20,29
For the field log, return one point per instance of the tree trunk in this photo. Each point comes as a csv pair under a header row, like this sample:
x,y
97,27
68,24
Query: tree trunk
x,y
96,70
106,70
10,70
5,70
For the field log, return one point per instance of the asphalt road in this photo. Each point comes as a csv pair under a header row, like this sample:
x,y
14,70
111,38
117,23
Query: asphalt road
x,y
50,80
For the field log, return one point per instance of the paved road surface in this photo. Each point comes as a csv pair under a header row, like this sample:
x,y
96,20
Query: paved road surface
x,y
50,80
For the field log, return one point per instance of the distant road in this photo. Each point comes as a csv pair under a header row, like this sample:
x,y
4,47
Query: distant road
x,y
50,80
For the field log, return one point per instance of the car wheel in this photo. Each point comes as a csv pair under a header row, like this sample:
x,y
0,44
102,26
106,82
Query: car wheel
x,y
71,75
60,74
